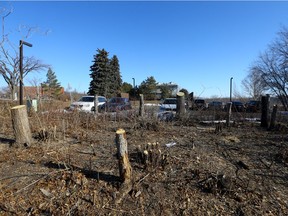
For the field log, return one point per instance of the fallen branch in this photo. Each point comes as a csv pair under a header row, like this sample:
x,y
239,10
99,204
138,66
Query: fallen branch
x,y
34,182
142,179
23,175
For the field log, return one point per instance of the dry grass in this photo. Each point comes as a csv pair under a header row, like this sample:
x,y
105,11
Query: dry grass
x,y
72,169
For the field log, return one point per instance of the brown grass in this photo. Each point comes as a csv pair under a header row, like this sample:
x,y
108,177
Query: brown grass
x,y
72,168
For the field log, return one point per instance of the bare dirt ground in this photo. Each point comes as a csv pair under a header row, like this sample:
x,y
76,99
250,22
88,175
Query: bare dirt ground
x,y
72,168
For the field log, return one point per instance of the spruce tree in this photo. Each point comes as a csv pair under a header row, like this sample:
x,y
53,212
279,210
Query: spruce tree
x,y
115,77
100,71
51,86
165,91
105,75
126,87
52,80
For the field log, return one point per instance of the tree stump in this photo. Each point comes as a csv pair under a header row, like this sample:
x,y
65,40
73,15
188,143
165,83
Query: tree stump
x,y
180,109
191,97
152,156
141,107
273,117
95,105
21,126
125,169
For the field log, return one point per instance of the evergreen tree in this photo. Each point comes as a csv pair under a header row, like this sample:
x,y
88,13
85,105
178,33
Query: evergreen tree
x,y
126,87
148,87
115,77
134,93
100,71
51,86
105,74
165,91
52,80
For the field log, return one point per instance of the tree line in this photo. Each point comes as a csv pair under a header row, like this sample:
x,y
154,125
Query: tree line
x,y
106,80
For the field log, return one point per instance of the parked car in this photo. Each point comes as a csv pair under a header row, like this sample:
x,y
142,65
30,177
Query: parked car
x,y
216,105
86,103
253,106
237,106
169,104
116,104
199,104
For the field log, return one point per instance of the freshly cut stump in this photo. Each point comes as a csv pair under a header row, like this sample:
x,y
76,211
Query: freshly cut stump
x,y
125,169
141,107
180,109
21,126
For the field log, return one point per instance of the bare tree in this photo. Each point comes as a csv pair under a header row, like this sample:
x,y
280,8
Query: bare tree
x,y
4,92
253,84
36,82
9,57
237,94
272,66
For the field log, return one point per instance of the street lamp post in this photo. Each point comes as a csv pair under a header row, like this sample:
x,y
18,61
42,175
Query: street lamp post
x,y
231,88
133,83
134,93
21,69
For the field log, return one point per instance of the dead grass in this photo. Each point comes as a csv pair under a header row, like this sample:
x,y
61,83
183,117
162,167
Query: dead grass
x,y
72,168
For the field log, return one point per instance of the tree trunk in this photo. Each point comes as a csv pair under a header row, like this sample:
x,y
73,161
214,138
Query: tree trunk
x,y
125,169
21,126
13,91
265,111
273,117
141,107
180,109
191,97
96,105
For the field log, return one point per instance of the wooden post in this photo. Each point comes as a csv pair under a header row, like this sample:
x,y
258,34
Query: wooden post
x,y
265,111
180,109
21,126
191,97
228,117
141,107
96,104
273,117
125,169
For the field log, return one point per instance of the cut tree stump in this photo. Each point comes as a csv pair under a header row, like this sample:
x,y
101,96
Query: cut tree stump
x,y
180,108
141,107
21,126
125,169
273,117
96,105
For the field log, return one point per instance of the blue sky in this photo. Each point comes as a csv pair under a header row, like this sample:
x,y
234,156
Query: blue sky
x,y
197,44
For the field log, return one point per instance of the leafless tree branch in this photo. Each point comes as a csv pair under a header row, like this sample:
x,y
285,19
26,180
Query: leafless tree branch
x,y
9,56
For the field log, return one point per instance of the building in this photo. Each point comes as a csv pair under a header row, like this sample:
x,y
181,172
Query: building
x,y
36,92
32,92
